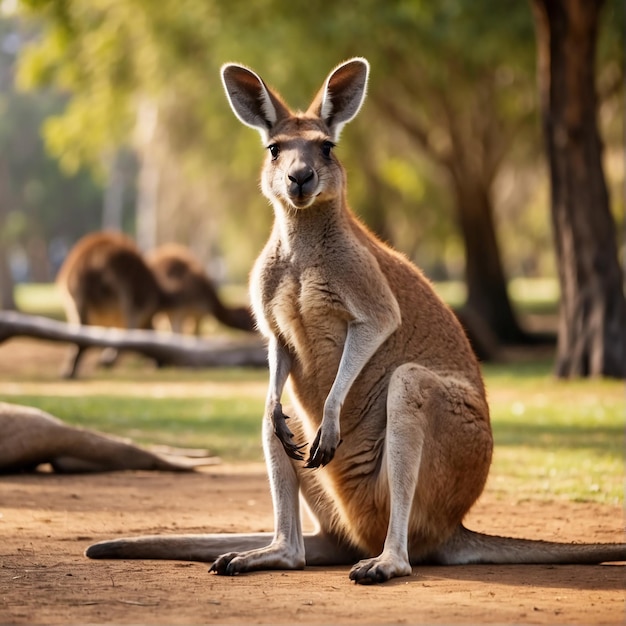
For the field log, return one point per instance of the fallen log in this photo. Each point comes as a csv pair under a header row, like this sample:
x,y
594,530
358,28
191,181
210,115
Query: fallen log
x,y
167,349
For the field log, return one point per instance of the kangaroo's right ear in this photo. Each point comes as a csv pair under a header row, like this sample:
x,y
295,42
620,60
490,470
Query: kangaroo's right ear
x,y
251,100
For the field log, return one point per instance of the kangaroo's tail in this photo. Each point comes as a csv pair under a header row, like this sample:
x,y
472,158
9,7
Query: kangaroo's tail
x,y
204,548
467,546
320,549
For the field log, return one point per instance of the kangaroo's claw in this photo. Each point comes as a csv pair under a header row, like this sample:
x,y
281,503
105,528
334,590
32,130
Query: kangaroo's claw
x,y
281,430
320,456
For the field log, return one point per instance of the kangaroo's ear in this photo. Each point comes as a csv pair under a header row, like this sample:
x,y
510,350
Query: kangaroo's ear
x,y
251,100
342,95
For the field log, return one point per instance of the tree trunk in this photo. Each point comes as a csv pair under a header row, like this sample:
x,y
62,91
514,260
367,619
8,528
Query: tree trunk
x,y
148,180
592,316
7,297
113,205
471,172
487,295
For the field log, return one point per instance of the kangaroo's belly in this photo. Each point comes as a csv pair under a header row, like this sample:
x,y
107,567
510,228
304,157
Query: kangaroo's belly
x,y
309,318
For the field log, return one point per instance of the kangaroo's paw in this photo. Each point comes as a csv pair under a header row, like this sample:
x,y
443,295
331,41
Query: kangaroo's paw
x,y
323,448
380,569
281,430
222,565
270,557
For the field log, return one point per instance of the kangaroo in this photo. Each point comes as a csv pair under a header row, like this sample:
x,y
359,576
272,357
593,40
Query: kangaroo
x,y
31,437
192,293
105,281
382,378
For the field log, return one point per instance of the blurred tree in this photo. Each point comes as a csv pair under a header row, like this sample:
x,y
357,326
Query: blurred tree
x,y
441,75
592,317
457,79
462,97
38,203
452,96
120,60
7,300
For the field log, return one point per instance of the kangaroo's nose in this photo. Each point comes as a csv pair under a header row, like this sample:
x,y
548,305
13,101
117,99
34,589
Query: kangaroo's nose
x,y
302,180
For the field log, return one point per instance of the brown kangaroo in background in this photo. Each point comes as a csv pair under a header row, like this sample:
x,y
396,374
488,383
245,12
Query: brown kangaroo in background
x,y
105,281
384,383
191,292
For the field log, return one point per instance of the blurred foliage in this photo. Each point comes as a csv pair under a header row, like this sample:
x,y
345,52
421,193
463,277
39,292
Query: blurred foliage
x,y
460,74
37,200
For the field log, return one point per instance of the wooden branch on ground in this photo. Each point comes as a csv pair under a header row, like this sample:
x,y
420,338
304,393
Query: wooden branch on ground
x,y
164,348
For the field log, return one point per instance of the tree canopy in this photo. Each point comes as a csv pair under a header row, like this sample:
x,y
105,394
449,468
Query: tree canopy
x,y
118,59
445,157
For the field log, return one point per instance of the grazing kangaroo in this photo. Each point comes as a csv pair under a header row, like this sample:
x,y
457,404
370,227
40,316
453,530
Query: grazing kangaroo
x,y
105,281
191,292
382,377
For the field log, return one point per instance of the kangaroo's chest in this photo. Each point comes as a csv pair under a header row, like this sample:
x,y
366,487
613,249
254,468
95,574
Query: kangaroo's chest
x,y
306,310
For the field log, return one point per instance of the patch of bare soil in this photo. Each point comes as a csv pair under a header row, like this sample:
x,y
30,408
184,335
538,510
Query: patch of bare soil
x,y
48,520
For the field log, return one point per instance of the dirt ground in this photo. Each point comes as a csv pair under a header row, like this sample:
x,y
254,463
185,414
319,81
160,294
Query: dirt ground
x,y
46,522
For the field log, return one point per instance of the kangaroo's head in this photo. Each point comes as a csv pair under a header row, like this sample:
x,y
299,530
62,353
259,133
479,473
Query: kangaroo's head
x,y
300,168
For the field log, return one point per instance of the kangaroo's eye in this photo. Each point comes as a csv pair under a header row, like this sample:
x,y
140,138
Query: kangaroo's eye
x,y
274,151
327,146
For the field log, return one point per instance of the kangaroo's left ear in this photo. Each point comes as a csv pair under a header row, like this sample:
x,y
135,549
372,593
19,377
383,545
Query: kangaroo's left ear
x,y
342,95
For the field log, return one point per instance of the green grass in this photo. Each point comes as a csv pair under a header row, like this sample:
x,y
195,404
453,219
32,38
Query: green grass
x,y
553,439
227,427
539,296
536,295
217,409
39,299
556,438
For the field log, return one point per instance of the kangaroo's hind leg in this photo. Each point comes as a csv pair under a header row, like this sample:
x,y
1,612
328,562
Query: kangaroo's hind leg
x,y
289,547
436,429
77,315
286,550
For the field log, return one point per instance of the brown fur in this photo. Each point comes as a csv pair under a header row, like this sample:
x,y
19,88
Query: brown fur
x,y
31,437
388,397
191,292
106,282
